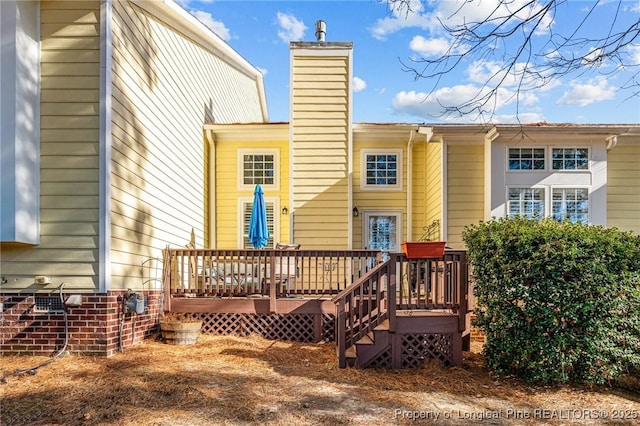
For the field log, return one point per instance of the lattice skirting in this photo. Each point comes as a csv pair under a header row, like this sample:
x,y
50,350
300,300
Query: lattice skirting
x,y
296,327
416,349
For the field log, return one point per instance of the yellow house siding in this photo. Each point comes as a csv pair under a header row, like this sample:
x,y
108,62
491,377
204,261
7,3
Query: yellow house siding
x,y
433,187
465,190
70,66
623,187
419,184
320,143
367,199
228,192
165,87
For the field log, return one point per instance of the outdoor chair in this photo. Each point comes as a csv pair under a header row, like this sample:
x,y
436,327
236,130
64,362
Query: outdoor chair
x,y
285,271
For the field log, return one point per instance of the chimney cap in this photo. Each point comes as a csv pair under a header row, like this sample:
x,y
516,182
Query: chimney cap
x,y
321,30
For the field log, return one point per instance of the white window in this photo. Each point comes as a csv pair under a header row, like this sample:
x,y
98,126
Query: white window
x,y
381,169
526,159
258,167
383,230
528,202
246,206
562,204
570,158
570,204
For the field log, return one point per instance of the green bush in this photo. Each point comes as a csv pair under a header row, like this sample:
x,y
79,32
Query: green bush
x,y
559,302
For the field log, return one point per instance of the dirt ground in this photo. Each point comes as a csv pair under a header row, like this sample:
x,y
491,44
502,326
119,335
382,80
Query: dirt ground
x,y
242,381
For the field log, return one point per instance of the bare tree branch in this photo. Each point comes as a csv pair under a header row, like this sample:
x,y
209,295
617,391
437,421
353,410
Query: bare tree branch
x,y
541,56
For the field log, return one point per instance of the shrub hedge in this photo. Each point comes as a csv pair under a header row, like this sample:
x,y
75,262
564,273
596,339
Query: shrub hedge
x,y
558,302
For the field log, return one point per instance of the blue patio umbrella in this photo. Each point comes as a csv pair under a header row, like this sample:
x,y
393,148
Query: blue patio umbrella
x,y
258,231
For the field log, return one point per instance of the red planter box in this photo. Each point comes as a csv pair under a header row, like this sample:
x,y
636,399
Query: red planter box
x,y
424,249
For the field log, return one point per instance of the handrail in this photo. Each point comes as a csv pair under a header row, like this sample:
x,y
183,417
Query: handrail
x,y
244,272
411,284
360,308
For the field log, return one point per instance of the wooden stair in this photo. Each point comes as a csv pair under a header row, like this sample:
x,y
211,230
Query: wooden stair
x,y
418,335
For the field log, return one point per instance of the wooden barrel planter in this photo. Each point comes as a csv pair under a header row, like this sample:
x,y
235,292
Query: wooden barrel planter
x,y
180,332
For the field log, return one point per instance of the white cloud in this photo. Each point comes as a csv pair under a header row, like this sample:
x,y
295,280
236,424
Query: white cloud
x,y
454,13
429,46
428,105
358,84
264,71
217,27
401,18
634,52
526,117
291,28
588,93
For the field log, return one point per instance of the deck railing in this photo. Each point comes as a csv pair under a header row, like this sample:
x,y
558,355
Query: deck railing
x,y
401,284
363,305
242,273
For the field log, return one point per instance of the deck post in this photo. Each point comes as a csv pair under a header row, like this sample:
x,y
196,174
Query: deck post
x,y
166,278
463,293
272,285
391,293
340,334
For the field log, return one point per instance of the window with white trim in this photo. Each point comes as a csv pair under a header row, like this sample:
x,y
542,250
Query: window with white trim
x,y
246,217
561,204
570,204
528,202
570,159
381,169
383,230
526,159
258,167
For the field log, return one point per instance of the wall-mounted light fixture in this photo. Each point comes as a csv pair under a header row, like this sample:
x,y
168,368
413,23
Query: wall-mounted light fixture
x,y
285,211
356,213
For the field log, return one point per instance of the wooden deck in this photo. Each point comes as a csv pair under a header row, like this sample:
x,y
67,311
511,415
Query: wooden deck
x,y
390,314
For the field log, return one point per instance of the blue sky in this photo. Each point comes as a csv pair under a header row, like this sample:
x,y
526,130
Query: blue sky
x,y
261,31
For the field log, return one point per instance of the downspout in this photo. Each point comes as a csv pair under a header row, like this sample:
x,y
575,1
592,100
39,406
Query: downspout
x,y
412,134
211,139
428,132
104,143
489,137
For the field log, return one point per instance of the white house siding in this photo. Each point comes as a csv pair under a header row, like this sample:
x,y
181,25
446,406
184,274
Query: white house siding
x,y
68,248
320,123
623,182
165,87
464,190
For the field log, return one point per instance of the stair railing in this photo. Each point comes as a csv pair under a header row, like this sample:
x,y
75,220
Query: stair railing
x,y
363,305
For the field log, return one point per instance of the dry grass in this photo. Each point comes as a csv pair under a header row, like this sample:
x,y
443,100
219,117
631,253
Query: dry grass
x,y
229,380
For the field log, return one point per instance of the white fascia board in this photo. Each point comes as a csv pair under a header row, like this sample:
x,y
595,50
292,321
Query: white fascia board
x,y
173,14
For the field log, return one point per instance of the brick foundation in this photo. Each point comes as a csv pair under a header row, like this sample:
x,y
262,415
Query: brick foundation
x,y
94,327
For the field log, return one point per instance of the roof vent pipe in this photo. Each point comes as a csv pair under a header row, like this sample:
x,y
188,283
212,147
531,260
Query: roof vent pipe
x,y
321,30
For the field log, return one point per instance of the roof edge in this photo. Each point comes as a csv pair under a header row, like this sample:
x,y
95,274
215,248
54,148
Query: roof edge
x,y
172,13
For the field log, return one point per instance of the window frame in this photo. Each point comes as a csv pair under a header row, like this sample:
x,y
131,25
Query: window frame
x,y
548,158
576,147
262,151
544,152
545,212
242,224
548,198
366,214
399,153
570,187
